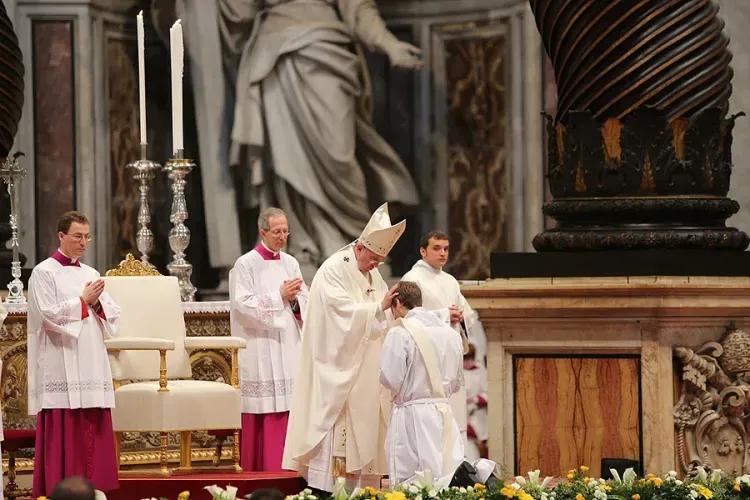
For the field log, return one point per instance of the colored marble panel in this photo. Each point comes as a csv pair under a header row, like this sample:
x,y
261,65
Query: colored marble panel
x,y
479,208
54,129
124,144
575,411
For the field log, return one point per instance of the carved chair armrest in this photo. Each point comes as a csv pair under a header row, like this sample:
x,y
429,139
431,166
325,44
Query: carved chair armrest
x,y
232,343
145,344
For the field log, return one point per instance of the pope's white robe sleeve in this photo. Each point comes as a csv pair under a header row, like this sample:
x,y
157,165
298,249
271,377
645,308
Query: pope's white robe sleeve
x,y
393,360
111,313
64,317
257,311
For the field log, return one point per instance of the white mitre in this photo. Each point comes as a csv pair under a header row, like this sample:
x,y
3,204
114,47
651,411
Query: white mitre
x,y
379,235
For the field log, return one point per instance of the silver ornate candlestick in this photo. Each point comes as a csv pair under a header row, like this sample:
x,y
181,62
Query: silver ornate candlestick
x,y
11,173
179,236
143,171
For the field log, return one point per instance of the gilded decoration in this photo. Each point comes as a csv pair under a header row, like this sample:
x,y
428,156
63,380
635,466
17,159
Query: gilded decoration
x,y
132,267
201,319
712,415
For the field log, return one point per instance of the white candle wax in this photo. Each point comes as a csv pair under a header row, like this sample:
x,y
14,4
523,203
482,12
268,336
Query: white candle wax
x,y
142,76
177,54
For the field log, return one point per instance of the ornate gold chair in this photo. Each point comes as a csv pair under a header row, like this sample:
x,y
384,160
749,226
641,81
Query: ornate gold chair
x,y
154,390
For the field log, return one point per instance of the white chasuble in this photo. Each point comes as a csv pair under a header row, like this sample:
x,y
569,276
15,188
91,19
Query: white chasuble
x,y
440,290
67,360
268,366
422,433
339,410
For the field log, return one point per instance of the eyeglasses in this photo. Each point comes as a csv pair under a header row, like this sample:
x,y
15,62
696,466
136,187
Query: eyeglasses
x,y
280,232
80,237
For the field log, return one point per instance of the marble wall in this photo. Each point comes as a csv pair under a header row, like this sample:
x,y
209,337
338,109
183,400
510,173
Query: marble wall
x,y
736,14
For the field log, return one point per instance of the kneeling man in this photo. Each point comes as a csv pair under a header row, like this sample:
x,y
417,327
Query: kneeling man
x,y
421,363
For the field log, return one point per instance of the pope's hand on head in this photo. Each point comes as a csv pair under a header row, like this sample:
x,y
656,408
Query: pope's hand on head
x,y
388,299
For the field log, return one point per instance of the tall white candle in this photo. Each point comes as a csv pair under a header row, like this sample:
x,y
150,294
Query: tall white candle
x,y
142,76
177,54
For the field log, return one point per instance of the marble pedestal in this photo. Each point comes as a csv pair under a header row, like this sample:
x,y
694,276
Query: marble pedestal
x,y
563,326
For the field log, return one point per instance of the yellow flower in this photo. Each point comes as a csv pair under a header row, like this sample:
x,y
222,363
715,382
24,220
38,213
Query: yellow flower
x,y
580,497
479,486
572,471
570,475
704,492
372,498
736,487
606,487
41,498
584,469
508,492
370,490
586,480
395,495
522,495
185,495
657,482
636,497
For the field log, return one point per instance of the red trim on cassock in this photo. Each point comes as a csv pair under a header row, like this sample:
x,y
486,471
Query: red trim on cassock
x,y
470,432
84,309
481,401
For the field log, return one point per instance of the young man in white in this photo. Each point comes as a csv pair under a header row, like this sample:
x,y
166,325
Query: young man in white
x,y
70,381
441,293
267,299
338,421
421,364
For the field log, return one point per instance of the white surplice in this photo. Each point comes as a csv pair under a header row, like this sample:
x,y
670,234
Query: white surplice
x,y
339,410
67,360
440,290
476,389
416,428
268,367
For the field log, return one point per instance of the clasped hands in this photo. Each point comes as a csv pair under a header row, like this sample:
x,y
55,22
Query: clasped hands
x,y
457,314
290,288
91,291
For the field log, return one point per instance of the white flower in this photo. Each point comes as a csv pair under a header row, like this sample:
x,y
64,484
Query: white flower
x,y
546,481
355,493
219,494
307,491
418,497
715,476
746,479
702,474
521,480
553,494
678,482
432,494
672,473
413,489
516,486
462,490
615,475
545,496
469,488
629,476
693,493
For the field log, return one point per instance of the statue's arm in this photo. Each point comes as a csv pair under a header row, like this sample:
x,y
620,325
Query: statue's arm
x,y
363,18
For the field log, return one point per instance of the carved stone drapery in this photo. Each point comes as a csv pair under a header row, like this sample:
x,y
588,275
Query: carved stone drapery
x,y
712,415
201,319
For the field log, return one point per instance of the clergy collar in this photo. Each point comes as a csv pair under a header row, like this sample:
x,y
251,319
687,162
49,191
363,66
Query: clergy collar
x,y
267,253
422,263
65,260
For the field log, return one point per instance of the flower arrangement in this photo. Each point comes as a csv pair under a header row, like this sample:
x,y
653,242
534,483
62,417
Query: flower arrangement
x,y
576,485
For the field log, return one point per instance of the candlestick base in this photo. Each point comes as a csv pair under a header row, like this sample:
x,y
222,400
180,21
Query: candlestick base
x,y
179,235
15,287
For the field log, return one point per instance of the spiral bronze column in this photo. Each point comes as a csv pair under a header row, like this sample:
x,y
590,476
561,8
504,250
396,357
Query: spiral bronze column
x,y
640,148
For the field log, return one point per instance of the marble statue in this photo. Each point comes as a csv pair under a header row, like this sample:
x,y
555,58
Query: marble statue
x,y
291,79
712,415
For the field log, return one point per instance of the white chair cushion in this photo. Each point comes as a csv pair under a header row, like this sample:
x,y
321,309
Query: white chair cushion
x,y
189,405
151,308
